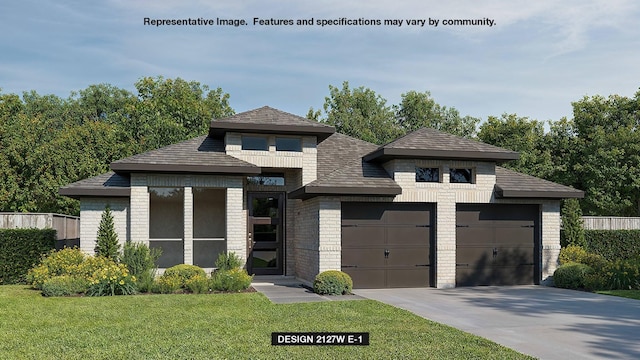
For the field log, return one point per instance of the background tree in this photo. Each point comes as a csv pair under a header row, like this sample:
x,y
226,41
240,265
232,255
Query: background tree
x,y
107,244
417,110
360,113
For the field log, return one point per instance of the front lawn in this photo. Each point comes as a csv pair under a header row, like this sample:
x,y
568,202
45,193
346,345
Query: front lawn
x,y
234,326
631,294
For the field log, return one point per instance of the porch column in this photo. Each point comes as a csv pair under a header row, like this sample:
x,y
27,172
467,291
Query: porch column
x,y
236,223
188,225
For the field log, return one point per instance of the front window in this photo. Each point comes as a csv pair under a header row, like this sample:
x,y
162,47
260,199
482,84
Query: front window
x,y
427,174
166,224
209,225
461,176
266,179
288,144
255,143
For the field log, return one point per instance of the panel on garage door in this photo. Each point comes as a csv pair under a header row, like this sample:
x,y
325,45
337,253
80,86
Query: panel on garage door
x,y
496,244
387,244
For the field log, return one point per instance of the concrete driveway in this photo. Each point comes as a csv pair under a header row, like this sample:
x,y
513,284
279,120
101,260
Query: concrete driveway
x,y
544,322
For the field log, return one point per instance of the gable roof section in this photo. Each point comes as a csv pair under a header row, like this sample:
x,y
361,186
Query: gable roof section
x,y
267,120
109,184
342,171
427,143
199,155
511,184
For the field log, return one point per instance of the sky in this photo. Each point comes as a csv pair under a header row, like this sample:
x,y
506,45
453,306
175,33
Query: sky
x,y
535,59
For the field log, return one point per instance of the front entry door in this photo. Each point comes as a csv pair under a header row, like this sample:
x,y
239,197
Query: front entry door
x,y
265,233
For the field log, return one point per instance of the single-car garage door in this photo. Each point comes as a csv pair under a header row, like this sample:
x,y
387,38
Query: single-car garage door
x,y
497,244
387,244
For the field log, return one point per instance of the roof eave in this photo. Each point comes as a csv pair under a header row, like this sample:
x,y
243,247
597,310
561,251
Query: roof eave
x,y
127,168
532,194
385,154
218,129
308,192
77,192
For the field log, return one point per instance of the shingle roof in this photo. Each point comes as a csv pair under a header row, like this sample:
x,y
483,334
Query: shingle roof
x,y
427,143
199,155
511,184
268,120
339,150
107,184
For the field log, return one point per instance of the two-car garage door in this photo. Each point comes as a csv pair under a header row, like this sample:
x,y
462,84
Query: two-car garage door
x,y
387,244
392,244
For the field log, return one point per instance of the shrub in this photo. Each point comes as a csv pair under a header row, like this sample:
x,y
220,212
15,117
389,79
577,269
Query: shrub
x,y
614,244
571,275
333,282
228,261
107,244
184,272
572,253
21,250
64,262
233,280
616,275
167,284
64,285
111,279
140,261
198,284
572,224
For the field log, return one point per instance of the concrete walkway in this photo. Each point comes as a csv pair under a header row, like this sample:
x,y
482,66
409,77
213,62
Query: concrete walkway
x,y
544,322
287,290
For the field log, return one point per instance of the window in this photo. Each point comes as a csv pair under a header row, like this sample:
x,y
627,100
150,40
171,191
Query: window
x,y
209,225
266,179
166,224
461,176
255,143
427,174
288,144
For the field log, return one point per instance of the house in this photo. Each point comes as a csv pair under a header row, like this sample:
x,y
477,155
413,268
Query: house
x,y
293,197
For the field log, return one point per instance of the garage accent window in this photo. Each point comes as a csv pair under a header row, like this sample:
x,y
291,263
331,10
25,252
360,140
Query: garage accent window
x,y
255,143
461,176
288,144
427,174
166,224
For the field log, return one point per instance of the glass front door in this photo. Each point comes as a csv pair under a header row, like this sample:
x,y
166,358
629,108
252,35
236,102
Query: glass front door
x,y
265,233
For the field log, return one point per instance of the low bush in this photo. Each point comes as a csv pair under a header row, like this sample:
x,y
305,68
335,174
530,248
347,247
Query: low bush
x,y
64,262
184,272
111,279
64,285
577,254
571,275
333,282
141,262
167,284
616,275
198,284
233,280
228,261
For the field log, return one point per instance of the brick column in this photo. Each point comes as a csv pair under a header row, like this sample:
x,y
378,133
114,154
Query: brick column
x,y
139,210
188,225
550,238
446,242
236,223
329,247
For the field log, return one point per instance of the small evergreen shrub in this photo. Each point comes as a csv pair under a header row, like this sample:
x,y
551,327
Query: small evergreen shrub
x,y
169,284
233,280
228,261
572,224
111,279
141,262
333,282
64,285
571,275
107,244
198,284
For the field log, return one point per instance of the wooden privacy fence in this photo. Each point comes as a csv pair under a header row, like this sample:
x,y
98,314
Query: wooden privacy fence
x,y
67,227
611,223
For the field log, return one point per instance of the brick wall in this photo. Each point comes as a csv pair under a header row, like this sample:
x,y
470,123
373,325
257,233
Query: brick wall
x,y
90,215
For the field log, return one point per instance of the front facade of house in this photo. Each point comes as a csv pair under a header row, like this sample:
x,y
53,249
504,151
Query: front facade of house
x,y
292,197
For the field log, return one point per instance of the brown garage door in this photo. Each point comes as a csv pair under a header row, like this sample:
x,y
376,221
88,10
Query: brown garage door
x,y
387,244
497,244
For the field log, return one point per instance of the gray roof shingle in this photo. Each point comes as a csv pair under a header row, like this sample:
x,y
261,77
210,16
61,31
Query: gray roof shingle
x,y
427,143
198,155
512,184
268,120
107,184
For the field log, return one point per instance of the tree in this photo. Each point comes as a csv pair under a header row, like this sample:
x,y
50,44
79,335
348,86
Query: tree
x,y
417,110
107,244
360,113
572,224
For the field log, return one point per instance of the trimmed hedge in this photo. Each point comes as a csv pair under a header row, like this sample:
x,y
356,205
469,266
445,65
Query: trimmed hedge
x,y
20,250
571,275
614,244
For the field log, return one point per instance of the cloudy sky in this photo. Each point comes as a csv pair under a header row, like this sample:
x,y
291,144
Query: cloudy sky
x,y
536,59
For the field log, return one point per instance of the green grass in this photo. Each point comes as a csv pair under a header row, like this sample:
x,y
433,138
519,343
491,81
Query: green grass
x,y
232,326
631,294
